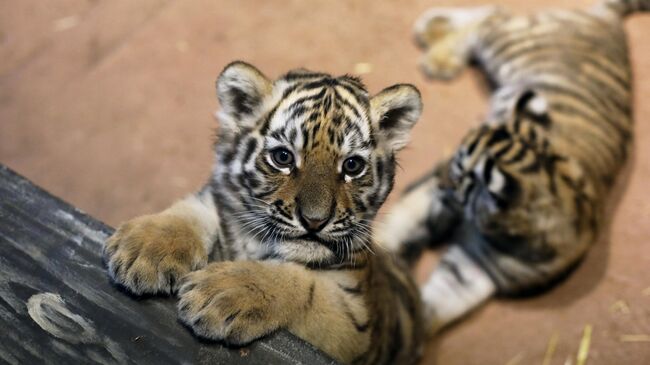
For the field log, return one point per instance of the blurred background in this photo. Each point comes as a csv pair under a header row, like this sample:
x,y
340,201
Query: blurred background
x,y
108,105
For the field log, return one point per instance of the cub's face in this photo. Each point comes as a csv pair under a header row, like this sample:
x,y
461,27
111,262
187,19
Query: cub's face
x,y
305,162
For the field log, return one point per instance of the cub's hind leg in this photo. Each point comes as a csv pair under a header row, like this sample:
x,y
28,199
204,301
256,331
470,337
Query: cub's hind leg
x,y
422,217
448,36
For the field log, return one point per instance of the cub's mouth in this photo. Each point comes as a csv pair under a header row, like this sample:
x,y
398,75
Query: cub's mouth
x,y
311,236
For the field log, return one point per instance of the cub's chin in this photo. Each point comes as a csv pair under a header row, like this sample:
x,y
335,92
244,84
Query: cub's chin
x,y
304,250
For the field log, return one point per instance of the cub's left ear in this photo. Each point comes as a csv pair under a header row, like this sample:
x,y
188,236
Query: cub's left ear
x,y
531,104
394,111
241,89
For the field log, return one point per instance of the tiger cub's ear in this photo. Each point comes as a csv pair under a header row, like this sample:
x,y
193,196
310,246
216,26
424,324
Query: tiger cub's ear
x,y
394,111
531,104
241,89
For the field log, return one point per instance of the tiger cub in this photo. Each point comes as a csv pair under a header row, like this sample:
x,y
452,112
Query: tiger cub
x,y
522,198
303,163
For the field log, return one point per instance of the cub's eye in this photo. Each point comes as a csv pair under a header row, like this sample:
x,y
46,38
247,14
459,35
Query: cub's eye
x,y
353,166
282,157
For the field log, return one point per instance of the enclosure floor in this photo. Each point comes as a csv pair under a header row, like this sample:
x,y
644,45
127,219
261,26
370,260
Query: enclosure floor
x,y
108,104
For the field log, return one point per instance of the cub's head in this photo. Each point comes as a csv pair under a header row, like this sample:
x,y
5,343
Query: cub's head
x,y
304,162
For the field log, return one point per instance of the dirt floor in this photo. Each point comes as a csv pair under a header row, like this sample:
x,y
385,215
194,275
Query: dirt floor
x,y
108,104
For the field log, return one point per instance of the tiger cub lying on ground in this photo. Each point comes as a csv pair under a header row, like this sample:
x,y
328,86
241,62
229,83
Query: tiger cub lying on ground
x,y
522,198
303,163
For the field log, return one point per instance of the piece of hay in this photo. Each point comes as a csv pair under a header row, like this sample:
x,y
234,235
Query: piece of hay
x,y
620,306
65,23
362,68
635,338
516,359
182,46
583,350
550,349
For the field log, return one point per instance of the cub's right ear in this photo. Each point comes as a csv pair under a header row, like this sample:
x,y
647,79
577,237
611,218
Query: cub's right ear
x,y
395,111
241,89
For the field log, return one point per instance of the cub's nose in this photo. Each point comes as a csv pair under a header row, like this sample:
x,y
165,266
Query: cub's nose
x,y
313,223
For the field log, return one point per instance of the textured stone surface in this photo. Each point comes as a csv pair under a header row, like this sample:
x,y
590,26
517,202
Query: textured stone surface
x,y
108,104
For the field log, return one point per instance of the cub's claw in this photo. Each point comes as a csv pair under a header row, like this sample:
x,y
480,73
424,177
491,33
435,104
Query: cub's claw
x,y
150,254
230,302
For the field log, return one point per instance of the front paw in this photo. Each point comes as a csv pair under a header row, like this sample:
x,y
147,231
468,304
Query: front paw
x,y
150,254
230,301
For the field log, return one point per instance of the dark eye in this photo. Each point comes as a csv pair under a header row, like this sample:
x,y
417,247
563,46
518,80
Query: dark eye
x,y
282,157
353,166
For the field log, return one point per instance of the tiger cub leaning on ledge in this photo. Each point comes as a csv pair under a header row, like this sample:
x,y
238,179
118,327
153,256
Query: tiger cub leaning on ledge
x,y
522,198
303,163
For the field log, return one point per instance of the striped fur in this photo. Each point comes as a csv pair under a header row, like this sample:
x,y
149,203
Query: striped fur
x,y
523,196
290,242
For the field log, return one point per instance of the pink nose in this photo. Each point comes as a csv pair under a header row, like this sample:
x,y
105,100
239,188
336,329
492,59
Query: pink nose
x,y
313,224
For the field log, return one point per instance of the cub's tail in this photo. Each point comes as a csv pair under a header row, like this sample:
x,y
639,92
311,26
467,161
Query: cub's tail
x,y
624,8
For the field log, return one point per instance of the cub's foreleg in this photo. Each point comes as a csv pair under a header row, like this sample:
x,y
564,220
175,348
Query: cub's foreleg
x,y
151,253
238,302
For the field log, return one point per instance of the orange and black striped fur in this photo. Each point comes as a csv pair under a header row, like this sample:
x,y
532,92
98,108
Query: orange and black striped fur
x,y
303,163
523,197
